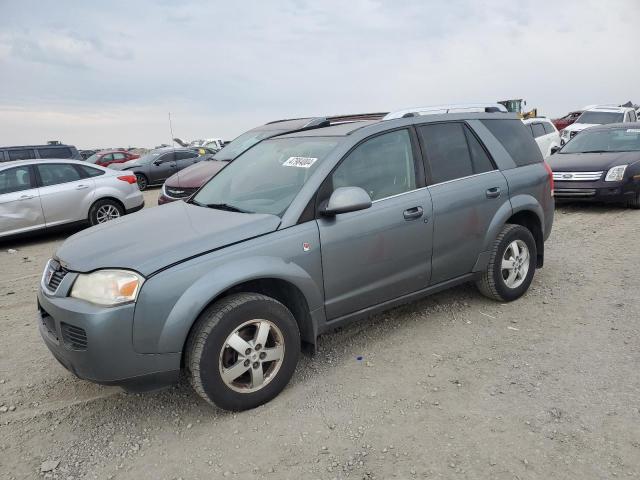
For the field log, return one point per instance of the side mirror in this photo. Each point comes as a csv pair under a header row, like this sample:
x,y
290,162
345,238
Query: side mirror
x,y
157,163
346,199
554,150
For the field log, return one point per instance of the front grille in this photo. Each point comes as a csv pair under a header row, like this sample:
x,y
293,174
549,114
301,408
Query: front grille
x,y
74,337
576,176
55,274
176,192
574,192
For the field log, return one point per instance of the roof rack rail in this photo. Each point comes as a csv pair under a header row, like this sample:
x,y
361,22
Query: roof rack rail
x,y
439,109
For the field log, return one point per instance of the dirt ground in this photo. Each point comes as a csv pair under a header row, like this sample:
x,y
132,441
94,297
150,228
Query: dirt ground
x,y
455,386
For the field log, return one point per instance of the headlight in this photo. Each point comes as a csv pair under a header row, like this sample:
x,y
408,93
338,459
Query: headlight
x,y
615,174
107,287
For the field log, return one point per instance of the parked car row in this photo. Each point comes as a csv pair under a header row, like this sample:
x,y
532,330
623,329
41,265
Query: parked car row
x,y
309,225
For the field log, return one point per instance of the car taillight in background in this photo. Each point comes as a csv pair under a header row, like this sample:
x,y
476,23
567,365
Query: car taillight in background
x,y
550,172
129,179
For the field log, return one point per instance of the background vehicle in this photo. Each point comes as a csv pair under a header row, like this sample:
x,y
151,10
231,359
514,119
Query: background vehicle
x,y
188,181
567,120
86,153
545,134
302,233
29,152
597,115
108,157
516,106
601,164
155,167
38,194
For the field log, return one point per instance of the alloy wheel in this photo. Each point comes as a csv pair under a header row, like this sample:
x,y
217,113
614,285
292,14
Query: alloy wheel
x,y
107,212
515,264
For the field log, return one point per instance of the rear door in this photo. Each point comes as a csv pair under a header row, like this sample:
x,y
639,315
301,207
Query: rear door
x,y
65,193
20,208
383,252
466,189
185,159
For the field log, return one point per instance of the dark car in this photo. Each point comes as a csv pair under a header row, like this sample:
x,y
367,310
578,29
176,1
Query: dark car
x,y
156,166
105,158
30,152
601,164
187,182
567,120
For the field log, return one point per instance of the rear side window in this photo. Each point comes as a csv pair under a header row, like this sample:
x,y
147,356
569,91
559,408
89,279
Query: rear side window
x,y
58,152
90,171
15,180
516,139
185,155
538,130
56,173
453,152
548,127
26,154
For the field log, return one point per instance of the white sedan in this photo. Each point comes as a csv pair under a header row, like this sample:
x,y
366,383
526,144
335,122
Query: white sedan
x,y
42,194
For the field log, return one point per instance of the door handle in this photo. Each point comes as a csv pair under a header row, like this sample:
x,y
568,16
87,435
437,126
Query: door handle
x,y
493,192
82,187
26,197
413,213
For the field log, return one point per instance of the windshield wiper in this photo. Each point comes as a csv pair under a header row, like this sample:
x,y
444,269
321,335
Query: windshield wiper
x,y
226,207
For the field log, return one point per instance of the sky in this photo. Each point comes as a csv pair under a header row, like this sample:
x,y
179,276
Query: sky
x,y
107,74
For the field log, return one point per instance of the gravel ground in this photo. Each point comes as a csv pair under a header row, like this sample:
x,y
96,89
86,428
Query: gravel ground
x,y
455,386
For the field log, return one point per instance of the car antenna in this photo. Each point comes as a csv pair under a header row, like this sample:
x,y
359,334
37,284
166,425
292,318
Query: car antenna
x,y
174,149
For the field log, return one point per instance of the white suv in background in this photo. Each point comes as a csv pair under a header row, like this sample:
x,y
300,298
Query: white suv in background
x,y
545,134
598,115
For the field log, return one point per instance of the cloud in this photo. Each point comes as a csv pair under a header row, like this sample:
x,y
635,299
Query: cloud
x,y
223,67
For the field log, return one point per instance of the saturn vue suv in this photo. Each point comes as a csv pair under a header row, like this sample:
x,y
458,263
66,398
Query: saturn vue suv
x,y
302,233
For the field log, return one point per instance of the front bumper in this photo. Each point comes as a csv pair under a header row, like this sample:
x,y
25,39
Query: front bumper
x,y
600,191
162,199
95,343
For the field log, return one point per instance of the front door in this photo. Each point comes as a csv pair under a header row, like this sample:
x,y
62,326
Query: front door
x,y
381,253
162,168
20,208
467,191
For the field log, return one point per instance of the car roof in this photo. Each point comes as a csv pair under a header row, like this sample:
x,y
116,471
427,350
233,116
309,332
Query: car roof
x,y
527,121
34,161
112,150
612,126
60,145
608,108
336,130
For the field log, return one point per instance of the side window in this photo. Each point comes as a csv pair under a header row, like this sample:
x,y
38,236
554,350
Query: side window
x,y
516,139
446,150
538,130
90,171
167,157
548,127
57,152
56,173
185,155
26,154
15,180
383,166
107,158
479,157
119,156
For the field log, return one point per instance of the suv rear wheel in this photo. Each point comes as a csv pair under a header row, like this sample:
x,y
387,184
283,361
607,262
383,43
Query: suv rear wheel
x,y
512,265
242,351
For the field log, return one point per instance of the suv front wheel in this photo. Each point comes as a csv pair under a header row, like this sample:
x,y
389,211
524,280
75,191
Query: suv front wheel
x,y
512,265
243,351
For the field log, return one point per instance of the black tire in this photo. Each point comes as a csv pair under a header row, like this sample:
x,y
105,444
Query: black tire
x,y
492,284
635,202
143,181
100,208
207,345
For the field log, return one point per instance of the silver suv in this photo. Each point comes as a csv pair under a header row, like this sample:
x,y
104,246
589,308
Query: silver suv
x,y
303,232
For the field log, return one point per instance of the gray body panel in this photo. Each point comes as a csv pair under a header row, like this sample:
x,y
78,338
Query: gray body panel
x,y
344,268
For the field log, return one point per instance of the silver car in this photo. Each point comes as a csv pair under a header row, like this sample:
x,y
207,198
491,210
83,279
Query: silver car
x,y
38,194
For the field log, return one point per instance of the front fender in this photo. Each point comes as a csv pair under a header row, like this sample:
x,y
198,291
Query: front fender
x,y
172,300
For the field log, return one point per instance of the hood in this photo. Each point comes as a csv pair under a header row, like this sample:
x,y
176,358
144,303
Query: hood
x,y
157,237
195,175
590,162
577,127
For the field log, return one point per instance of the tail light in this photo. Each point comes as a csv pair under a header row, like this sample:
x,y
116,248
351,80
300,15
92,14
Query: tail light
x,y
550,172
129,179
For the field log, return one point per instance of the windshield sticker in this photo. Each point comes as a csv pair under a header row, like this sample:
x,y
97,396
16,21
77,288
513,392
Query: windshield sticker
x,y
300,162
633,130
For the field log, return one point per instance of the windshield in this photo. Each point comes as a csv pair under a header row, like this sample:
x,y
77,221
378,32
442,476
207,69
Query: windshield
x,y
600,118
267,177
610,140
148,157
242,143
93,158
